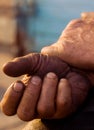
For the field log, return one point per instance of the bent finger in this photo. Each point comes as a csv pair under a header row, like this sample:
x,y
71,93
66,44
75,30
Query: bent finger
x,y
27,106
63,99
80,86
46,103
12,98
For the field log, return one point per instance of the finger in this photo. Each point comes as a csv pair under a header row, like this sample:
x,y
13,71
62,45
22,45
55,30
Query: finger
x,y
12,98
80,86
19,66
27,106
34,64
63,99
46,103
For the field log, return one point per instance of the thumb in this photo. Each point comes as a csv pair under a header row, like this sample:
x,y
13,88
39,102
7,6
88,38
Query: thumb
x,y
19,66
36,64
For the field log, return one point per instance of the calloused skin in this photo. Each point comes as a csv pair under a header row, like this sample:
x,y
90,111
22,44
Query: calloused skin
x,y
51,90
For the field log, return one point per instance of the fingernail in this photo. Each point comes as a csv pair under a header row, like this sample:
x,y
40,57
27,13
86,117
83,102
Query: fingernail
x,y
36,80
18,86
51,75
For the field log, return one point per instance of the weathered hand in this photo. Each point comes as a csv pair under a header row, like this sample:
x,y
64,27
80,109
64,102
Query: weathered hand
x,y
76,43
58,93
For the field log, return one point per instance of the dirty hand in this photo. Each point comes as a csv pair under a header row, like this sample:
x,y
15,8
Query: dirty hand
x,y
51,90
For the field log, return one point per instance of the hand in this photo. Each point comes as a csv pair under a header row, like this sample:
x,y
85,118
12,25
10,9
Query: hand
x,y
76,43
51,96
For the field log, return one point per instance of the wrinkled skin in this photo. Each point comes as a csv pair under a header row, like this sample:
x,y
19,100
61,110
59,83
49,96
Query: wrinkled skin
x,y
66,88
57,94
76,43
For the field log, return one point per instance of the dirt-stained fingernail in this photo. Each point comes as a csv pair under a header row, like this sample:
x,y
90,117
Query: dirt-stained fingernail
x,y
18,86
36,80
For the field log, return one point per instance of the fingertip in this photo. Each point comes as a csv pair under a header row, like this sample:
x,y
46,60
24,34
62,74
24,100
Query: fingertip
x,y
64,82
11,99
10,69
65,85
5,68
18,86
35,80
16,67
51,75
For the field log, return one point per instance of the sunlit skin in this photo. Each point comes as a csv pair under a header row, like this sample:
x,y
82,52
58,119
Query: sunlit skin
x,y
76,43
52,89
52,86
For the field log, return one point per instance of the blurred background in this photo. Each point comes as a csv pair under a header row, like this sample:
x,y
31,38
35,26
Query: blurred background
x,y
28,25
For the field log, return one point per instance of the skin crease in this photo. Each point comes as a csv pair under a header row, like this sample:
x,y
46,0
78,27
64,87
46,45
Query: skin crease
x,y
37,101
74,42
